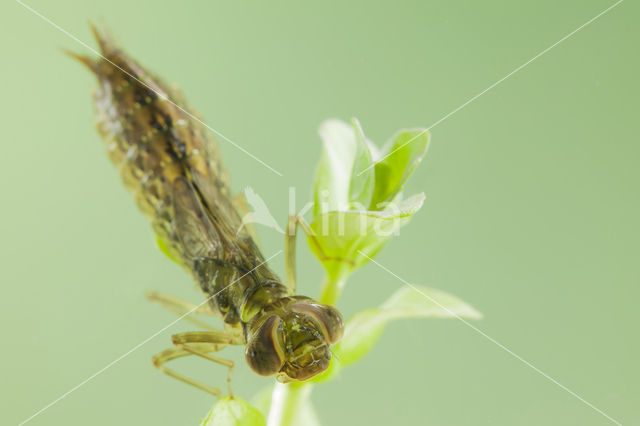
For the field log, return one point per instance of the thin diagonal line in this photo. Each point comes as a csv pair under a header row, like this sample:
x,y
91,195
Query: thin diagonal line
x,y
491,339
497,83
161,95
136,347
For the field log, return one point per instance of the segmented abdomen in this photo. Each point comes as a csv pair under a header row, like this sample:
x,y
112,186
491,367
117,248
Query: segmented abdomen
x,y
172,166
151,140
138,145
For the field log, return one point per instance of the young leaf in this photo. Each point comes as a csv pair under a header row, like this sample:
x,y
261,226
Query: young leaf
x,y
362,173
363,330
355,199
333,176
341,235
233,411
399,159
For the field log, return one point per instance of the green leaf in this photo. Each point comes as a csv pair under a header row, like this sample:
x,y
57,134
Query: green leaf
x,y
362,172
356,205
399,159
341,235
333,176
364,329
233,411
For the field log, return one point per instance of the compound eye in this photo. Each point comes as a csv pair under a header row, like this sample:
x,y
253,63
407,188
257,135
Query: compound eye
x,y
327,316
264,353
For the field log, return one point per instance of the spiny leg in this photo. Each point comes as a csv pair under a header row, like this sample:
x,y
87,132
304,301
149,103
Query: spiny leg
x,y
182,308
199,344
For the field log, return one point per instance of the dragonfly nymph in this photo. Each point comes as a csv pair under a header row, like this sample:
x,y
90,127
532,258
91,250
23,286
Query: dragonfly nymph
x,y
171,164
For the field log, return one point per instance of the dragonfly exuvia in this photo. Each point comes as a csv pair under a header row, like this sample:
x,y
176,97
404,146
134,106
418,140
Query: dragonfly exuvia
x,y
171,164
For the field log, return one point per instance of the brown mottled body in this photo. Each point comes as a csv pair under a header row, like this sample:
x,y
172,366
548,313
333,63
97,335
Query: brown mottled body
x,y
171,164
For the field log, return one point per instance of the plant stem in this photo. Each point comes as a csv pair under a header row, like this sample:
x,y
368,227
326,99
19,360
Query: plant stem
x,y
332,287
286,402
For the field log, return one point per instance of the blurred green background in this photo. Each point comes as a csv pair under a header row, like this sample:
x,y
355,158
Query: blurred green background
x,y
531,213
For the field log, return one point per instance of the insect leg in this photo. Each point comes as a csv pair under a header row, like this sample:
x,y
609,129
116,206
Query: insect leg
x,y
199,344
290,247
174,353
290,252
181,307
